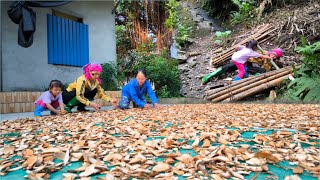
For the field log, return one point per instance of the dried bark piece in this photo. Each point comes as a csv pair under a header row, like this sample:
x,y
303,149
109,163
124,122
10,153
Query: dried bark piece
x,y
30,162
267,155
292,177
69,176
66,158
161,167
169,160
196,142
118,144
27,153
221,158
13,169
297,170
52,150
90,170
223,141
168,143
256,161
216,177
7,150
77,155
139,158
206,143
185,158
260,137
6,165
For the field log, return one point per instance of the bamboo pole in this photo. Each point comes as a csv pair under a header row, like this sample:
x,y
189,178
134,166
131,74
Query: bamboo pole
x,y
235,83
240,83
226,56
260,35
257,89
273,64
230,92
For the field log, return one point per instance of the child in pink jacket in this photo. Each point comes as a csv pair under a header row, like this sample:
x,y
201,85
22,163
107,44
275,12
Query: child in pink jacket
x,y
242,55
51,99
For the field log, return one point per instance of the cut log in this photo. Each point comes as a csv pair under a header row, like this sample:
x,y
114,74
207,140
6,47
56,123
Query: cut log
x,y
252,79
256,89
211,94
232,91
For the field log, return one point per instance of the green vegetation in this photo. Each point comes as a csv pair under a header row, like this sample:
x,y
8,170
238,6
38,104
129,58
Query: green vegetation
x,y
306,85
162,72
109,76
245,14
175,23
222,37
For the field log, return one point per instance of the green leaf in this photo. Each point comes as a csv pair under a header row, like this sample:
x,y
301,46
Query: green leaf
x,y
304,41
218,33
218,41
228,32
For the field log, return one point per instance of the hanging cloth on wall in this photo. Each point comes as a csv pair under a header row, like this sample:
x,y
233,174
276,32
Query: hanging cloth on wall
x,y
27,27
20,13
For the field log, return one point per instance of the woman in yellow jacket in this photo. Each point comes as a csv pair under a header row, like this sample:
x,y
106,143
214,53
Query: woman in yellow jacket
x,y
83,90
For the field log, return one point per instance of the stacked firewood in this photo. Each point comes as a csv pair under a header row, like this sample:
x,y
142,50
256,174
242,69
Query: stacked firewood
x,y
261,34
249,86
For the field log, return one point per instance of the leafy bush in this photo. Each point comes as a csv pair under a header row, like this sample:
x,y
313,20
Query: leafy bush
x,y
122,40
163,73
221,37
311,55
175,22
306,85
245,14
108,77
183,34
173,19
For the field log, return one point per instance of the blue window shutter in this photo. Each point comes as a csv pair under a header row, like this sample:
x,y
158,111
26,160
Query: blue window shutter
x,y
55,40
82,58
50,39
63,41
86,43
67,42
74,42
67,50
71,43
77,44
59,43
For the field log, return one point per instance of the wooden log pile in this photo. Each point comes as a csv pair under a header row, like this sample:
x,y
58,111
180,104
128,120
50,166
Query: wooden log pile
x,y
261,34
249,86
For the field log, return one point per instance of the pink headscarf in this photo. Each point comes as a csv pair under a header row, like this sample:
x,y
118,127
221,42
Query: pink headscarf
x,y
91,67
278,52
